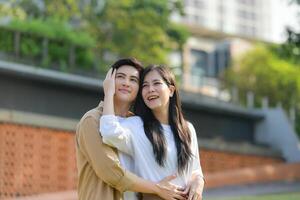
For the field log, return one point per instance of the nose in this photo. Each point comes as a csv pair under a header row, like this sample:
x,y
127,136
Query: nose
x,y
126,82
151,88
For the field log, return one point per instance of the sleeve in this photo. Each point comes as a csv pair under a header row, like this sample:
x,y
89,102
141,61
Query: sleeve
x,y
196,167
104,159
116,134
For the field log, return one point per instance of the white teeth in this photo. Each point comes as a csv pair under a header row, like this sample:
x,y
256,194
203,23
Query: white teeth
x,y
152,97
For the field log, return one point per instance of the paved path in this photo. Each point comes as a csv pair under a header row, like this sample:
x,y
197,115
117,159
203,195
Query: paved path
x,y
253,189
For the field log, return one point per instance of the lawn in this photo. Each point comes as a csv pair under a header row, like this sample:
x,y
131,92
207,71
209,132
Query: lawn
x,y
281,196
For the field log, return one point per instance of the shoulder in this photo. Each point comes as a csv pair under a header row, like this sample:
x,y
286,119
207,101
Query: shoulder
x,y
90,117
190,126
191,129
133,122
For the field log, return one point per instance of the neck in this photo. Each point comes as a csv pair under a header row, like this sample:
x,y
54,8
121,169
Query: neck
x,y
121,108
162,115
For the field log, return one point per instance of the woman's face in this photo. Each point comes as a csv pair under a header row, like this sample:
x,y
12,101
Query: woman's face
x,y
156,93
126,84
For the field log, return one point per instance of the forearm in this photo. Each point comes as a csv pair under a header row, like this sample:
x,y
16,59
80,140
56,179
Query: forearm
x,y
108,105
197,174
144,186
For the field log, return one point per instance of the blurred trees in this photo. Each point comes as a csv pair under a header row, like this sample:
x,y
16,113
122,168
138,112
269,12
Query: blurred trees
x,y
266,75
272,71
290,49
120,28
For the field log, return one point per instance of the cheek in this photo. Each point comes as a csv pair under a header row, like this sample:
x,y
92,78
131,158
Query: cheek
x,y
143,94
117,82
165,94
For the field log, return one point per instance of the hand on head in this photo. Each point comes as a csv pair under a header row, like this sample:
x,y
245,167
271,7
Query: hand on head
x,y
109,82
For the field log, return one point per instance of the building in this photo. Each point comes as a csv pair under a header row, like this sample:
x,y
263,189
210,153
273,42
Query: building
x,y
222,30
250,18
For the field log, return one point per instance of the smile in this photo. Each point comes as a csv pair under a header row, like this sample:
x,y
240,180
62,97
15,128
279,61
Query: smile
x,y
124,91
152,97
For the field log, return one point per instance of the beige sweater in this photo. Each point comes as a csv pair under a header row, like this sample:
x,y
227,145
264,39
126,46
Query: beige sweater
x,y
100,175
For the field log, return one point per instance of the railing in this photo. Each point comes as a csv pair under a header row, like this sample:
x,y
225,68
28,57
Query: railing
x,y
214,88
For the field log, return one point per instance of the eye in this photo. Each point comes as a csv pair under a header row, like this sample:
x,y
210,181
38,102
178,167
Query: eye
x,y
119,76
134,80
144,85
157,83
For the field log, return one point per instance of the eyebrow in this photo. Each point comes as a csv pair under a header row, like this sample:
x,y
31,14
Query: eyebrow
x,y
151,81
132,76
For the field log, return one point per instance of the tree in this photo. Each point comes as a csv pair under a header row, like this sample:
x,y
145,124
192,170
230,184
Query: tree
x,y
121,28
290,49
138,28
266,75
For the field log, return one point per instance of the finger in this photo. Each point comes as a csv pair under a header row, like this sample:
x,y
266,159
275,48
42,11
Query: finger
x,y
179,188
191,195
113,73
196,197
187,189
108,73
179,197
181,193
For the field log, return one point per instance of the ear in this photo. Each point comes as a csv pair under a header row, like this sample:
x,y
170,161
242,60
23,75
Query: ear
x,y
172,90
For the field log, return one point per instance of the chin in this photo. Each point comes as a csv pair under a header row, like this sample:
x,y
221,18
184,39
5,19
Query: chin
x,y
153,107
124,99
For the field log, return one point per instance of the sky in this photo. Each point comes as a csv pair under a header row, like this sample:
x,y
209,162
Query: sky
x,y
284,15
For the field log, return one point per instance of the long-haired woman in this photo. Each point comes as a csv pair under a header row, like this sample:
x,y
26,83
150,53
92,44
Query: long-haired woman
x,y
159,139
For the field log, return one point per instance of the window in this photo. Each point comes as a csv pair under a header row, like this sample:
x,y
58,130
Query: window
x,y
198,61
246,15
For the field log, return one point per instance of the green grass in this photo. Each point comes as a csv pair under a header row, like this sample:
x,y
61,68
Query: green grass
x,y
281,196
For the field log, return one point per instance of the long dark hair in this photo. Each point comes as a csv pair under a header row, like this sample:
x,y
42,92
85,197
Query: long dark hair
x,y
178,124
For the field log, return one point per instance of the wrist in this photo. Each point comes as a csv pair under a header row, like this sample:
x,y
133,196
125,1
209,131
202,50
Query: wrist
x,y
109,95
156,188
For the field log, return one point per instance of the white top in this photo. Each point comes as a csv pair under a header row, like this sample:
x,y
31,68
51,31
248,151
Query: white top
x,y
129,137
128,163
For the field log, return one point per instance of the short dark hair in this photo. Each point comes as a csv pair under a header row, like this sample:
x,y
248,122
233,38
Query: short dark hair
x,y
133,62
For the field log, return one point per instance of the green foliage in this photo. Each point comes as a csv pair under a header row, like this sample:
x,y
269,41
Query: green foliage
x,y
178,33
6,40
263,73
52,29
30,46
7,10
290,49
60,35
266,75
135,28
108,29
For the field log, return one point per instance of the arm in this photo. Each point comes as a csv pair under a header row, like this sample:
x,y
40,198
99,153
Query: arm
x,y
195,185
116,135
106,165
103,159
112,132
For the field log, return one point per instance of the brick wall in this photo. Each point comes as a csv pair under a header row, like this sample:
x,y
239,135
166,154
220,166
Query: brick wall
x,y
217,161
36,160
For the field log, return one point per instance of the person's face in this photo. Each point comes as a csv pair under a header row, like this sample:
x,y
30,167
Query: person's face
x,y
156,93
126,84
